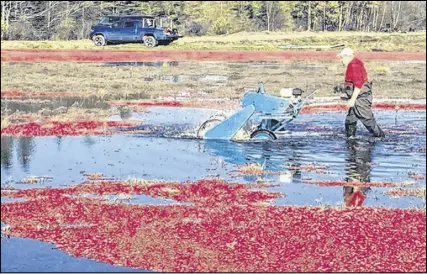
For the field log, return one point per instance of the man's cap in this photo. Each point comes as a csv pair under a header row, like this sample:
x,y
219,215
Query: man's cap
x,y
346,52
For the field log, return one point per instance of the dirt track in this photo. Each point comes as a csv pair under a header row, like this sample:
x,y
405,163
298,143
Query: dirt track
x,y
43,55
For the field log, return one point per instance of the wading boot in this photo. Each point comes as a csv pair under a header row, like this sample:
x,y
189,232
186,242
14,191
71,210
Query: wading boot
x,y
350,129
378,132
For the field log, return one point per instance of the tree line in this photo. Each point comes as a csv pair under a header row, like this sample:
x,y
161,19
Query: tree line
x,y
68,20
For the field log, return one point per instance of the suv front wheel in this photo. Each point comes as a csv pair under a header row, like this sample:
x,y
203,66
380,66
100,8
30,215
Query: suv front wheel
x,y
99,40
150,41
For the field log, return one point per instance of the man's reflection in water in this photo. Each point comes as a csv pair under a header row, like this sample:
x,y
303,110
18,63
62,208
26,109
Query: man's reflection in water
x,y
358,170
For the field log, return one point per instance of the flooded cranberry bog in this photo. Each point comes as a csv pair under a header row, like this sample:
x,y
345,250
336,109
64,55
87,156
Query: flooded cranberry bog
x,y
123,184
43,55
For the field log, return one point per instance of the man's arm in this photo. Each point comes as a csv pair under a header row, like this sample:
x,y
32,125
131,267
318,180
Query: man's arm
x,y
353,98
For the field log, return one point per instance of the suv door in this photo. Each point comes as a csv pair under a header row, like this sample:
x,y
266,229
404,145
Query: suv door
x,y
128,31
114,32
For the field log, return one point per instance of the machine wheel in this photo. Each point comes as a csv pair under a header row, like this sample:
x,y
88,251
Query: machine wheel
x,y
99,40
263,134
206,126
150,41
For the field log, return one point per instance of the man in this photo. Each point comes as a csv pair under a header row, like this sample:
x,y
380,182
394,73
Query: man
x,y
359,95
358,170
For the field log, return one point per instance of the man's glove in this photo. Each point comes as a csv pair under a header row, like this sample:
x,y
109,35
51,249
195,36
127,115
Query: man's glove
x,y
339,89
343,90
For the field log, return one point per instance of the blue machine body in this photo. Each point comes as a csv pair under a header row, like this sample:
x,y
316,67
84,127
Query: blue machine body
x,y
229,127
270,113
265,103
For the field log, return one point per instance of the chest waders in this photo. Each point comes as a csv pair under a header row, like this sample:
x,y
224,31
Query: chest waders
x,y
362,111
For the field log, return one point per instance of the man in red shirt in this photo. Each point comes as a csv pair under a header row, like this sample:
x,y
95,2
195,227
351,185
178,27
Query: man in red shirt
x,y
359,95
358,170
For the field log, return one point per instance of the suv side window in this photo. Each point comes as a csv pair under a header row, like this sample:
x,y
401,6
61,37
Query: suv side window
x,y
129,24
113,19
109,20
117,25
148,23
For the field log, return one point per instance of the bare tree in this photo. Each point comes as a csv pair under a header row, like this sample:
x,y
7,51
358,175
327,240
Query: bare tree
x,y
340,16
269,13
48,14
383,16
348,18
5,16
309,16
395,12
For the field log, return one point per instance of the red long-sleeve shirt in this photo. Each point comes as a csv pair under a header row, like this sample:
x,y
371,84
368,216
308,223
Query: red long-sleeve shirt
x,y
354,198
356,74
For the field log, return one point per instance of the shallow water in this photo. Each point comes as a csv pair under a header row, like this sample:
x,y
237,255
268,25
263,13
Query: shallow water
x,y
51,103
312,139
215,78
36,256
142,64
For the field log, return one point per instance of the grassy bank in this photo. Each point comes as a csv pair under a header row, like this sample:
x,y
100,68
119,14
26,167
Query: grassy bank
x,y
260,41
